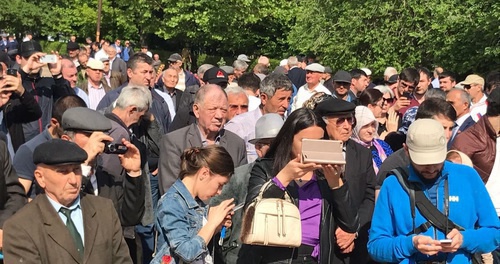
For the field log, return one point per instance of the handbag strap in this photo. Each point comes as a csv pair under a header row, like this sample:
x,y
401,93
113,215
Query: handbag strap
x,y
266,186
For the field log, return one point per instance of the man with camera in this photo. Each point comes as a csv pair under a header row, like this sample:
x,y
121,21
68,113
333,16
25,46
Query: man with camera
x,y
45,90
17,107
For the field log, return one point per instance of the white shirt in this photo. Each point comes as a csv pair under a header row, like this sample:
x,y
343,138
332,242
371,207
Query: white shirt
x,y
478,109
170,103
95,95
181,84
253,103
100,54
244,126
304,93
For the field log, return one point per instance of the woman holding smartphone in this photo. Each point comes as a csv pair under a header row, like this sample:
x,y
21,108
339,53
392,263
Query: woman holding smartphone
x,y
184,222
319,192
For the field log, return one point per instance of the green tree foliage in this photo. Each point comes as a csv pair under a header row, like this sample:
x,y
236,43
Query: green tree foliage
x,y
456,34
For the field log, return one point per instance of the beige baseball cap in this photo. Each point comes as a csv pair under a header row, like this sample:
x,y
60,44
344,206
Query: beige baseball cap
x,y
426,142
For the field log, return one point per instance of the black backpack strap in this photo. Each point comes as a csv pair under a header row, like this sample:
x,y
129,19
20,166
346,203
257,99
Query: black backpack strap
x,y
418,199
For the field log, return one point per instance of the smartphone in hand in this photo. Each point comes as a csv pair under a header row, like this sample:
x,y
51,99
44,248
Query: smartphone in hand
x,y
49,58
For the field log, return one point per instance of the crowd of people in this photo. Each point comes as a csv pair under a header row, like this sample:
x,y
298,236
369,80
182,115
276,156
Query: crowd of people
x,y
112,156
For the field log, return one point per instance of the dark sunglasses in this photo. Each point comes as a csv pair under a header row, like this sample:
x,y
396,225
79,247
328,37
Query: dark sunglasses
x,y
388,100
467,86
342,120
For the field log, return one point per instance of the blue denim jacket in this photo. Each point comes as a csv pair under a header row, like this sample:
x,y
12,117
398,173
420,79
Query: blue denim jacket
x,y
178,221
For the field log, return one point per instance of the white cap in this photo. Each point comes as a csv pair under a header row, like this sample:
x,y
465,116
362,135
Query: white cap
x,y
284,62
367,71
315,67
95,64
426,142
243,57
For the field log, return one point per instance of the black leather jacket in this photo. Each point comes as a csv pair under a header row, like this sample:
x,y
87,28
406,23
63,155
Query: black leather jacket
x,y
336,211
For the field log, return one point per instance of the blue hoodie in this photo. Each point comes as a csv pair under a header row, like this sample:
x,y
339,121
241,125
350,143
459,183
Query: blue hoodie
x,y
470,207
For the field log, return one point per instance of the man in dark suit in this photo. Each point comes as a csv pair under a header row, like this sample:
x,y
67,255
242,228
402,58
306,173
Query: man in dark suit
x,y
12,195
62,226
339,117
116,63
461,102
167,85
210,107
297,74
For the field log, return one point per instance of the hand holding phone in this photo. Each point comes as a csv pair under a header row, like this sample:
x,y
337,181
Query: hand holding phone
x,y
445,242
49,58
238,207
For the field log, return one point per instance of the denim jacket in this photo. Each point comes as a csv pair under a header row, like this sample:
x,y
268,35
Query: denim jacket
x,y
178,221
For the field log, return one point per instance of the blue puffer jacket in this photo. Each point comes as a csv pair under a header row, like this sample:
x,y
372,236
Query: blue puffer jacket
x,y
470,207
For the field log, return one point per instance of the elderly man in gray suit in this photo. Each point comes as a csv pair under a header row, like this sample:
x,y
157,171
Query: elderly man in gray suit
x,y
210,107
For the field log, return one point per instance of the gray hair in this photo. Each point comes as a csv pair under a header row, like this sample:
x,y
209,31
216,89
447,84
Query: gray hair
x,y
273,82
240,65
234,90
464,96
435,93
384,89
203,68
139,97
293,61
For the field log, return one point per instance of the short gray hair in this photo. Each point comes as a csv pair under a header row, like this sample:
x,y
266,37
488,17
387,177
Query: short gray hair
x,y
203,68
234,90
435,93
293,61
273,82
139,97
240,65
464,96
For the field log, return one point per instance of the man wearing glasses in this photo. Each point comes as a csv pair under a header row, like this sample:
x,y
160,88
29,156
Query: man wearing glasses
x,y
409,78
341,87
339,118
474,86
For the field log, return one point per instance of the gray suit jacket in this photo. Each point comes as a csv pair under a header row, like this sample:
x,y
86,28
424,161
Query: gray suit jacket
x,y
36,234
119,65
173,144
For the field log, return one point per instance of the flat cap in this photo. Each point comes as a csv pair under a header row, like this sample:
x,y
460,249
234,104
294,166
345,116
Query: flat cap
x,y
95,64
59,152
473,79
334,106
228,69
342,76
27,48
328,70
175,57
72,46
315,67
83,119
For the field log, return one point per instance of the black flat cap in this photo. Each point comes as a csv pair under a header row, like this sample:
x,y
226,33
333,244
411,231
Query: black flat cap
x,y
72,46
342,76
83,119
59,152
334,106
27,48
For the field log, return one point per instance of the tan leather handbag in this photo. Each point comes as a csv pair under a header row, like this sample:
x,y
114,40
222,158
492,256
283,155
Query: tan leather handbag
x,y
272,222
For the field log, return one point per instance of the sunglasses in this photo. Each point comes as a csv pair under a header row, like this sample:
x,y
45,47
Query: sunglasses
x,y
388,100
467,86
235,107
341,120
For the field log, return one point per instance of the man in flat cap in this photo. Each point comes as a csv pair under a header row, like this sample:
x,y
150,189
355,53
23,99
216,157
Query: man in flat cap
x,y
87,128
339,118
314,72
62,225
186,78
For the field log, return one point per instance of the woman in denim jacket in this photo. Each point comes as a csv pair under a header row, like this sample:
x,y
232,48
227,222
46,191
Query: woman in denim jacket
x,y
184,222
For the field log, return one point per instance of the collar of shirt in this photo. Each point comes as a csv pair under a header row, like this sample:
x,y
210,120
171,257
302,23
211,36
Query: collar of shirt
x,y
57,206
92,87
204,141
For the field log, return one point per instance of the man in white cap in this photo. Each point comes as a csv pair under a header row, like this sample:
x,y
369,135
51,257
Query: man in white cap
x,y
402,234
266,129
474,86
313,85
243,57
95,86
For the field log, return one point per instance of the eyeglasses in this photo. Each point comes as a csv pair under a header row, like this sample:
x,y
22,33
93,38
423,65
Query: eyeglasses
x,y
235,107
467,86
407,85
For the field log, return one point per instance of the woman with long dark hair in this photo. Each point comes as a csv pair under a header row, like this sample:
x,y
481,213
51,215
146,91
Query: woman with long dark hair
x,y
319,192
